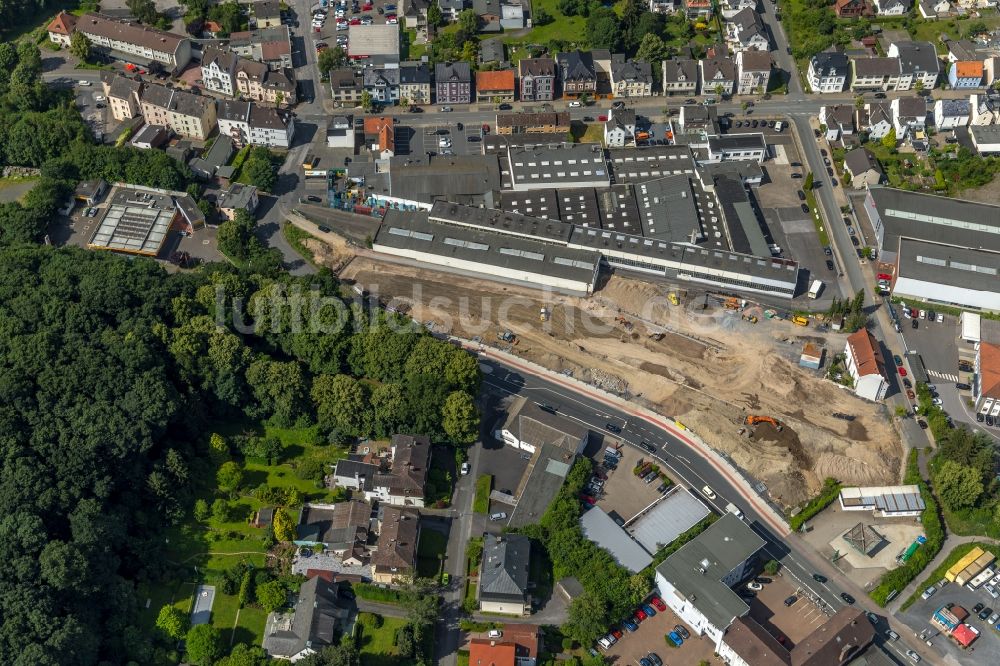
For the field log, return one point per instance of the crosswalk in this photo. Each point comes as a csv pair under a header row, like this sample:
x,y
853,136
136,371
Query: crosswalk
x,y
943,375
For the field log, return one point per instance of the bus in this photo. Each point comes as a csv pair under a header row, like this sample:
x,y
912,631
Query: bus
x,y
815,288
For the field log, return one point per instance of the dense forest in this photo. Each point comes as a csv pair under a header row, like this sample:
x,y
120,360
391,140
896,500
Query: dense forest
x,y
113,374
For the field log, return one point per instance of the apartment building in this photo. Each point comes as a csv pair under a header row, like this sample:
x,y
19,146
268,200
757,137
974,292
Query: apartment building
x,y
186,114
255,124
133,42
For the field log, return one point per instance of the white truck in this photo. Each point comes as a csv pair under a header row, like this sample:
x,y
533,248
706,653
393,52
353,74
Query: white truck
x,y
735,510
815,288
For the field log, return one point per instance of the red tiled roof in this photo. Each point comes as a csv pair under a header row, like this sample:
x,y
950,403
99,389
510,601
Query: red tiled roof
x,y
964,635
490,653
62,24
989,369
969,68
502,79
866,353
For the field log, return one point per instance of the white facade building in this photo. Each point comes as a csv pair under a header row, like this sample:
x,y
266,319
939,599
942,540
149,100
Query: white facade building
x,y
865,365
828,72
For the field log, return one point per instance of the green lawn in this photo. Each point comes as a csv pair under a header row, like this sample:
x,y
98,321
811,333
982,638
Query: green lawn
x,y
249,628
378,645
296,237
565,28
178,595
484,485
930,31
430,553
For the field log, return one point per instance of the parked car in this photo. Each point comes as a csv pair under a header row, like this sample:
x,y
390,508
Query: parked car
x,y
658,602
675,638
649,610
754,585
910,394
985,613
654,659
897,359
629,625
961,386
639,615
914,657
891,635
680,629
499,515
978,607
466,468
848,599
901,371
708,492
873,618
575,105
922,424
819,578
790,601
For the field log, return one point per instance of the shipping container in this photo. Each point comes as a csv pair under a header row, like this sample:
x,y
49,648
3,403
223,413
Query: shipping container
x,y
961,565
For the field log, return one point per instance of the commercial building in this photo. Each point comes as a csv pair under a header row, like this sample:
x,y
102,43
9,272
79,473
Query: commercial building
x,y
600,528
864,363
884,501
986,139
557,122
138,219
697,580
503,574
945,250
495,86
568,165
666,519
986,380
737,148
840,640
257,125
528,427
375,45
135,43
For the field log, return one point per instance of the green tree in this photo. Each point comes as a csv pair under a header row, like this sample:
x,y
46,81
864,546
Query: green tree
x,y
272,595
460,418
260,172
587,619
468,23
719,89
280,388
341,402
221,510
652,48
603,29
144,10
889,140
201,510
284,528
172,621
79,45
434,16
542,17
235,237
958,486
229,477
204,644
244,655
807,183
330,59
771,567
366,101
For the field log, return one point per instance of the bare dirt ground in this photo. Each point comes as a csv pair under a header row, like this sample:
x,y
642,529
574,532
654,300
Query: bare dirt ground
x,y
706,368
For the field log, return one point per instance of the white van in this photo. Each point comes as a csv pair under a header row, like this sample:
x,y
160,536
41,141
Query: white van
x,y
735,510
778,126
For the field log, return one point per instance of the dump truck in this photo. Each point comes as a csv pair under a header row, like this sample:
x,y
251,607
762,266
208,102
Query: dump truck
x,y
731,303
672,297
799,320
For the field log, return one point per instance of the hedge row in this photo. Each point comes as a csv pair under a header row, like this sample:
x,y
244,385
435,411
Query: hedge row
x,y
831,488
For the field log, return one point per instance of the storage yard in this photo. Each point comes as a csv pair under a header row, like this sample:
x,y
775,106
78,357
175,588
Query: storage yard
x,y
707,368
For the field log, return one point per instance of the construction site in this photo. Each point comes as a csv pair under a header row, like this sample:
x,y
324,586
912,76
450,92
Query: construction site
x,y
708,361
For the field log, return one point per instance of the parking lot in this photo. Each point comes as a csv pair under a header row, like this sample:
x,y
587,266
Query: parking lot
x,y
986,649
438,139
376,11
788,624
650,637
624,493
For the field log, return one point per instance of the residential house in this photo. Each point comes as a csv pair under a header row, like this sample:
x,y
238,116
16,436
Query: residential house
x,y
450,9
250,123
237,197
852,8
951,113
382,84
874,74
394,561
746,31
380,137
453,82
503,574
212,164
619,129
488,12
737,148
134,42
61,28
838,120
991,70
320,615
495,86
257,81
985,139
124,97
414,13
828,72
863,168
150,136
844,638
680,76
518,645
267,13
962,49
346,86
865,365
415,83
698,9
218,68
984,108
183,113
538,79
529,428
631,78
731,8
579,77
511,16
934,9
909,114
664,6
986,378
875,119
341,529
718,75
397,478
271,46
754,68
892,7
552,122
965,74
918,61
492,51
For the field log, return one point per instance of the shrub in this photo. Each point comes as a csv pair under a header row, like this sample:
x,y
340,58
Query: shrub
x,y
830,491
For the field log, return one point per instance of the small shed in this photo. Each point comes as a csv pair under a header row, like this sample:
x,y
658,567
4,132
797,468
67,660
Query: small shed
x,y
90,191
812,356
569,588
263,517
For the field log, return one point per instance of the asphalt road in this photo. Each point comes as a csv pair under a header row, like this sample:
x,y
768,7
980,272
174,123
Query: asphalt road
x,y
692,469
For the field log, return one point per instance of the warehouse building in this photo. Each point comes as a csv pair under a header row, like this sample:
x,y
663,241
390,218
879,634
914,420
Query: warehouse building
x,y
374,45
945,250
471,250
885,501
601,528
667,209
568,165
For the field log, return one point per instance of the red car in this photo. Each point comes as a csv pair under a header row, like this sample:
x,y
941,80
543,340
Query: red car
x,y
355,21
588,499
367,6
658,602
902,371
640,615
617,633
389,17
602,119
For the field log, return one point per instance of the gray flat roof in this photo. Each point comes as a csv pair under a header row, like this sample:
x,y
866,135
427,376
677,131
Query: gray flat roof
x,y
470,179
737,142
537,203
936,219
373,40
502,222
741,219
635,165
581,163
884,498
546,474
414,231
697,569
667,208
578,205
619,211
600,528
671,517
950,265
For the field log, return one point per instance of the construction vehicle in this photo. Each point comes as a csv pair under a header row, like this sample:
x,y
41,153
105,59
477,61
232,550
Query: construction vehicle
x,y
731,303
750,318
753,419
672,297
624,322
770,314
543,314
799,320
507,336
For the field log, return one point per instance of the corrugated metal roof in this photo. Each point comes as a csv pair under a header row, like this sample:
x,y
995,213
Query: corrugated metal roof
x,y
885,498
605,532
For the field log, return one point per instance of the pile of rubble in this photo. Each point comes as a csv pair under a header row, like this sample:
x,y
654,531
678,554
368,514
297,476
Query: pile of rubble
x,y
607,381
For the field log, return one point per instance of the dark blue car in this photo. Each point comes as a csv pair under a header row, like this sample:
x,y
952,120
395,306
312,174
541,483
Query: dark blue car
x,y
629,625
674,638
